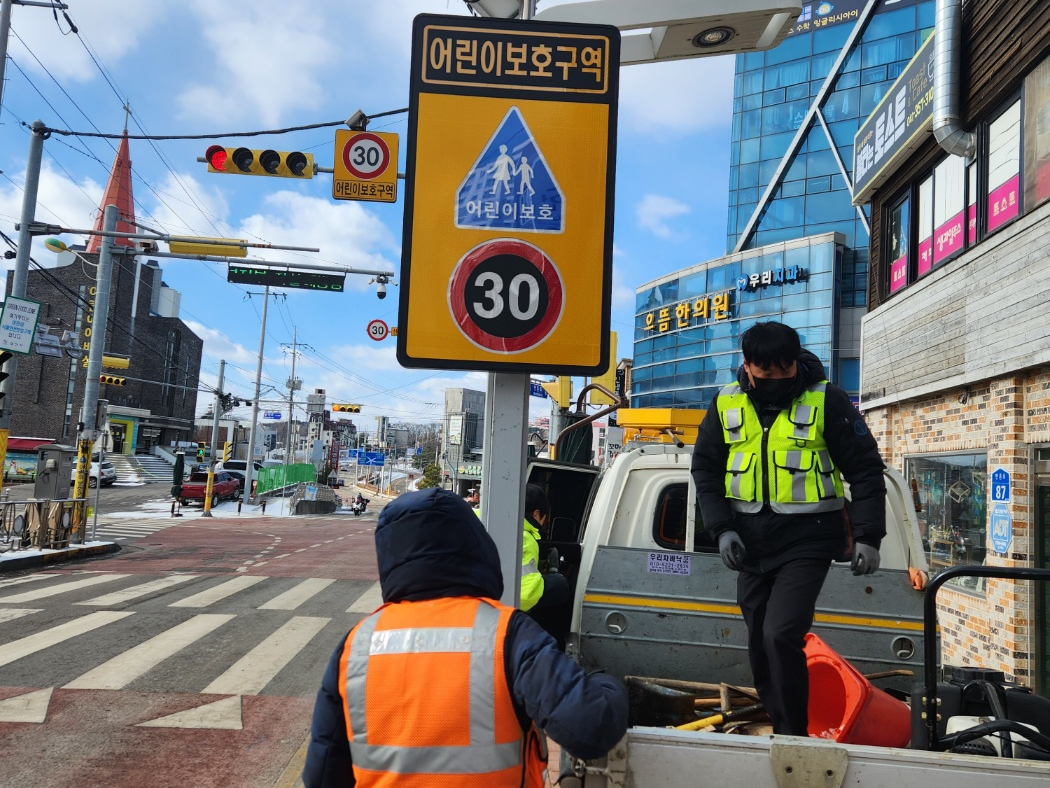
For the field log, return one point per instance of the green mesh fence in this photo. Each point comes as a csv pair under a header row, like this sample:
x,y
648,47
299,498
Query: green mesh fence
x,y
283,475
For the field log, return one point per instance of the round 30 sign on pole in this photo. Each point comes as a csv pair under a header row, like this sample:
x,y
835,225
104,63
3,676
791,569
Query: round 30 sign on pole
x,y
378,329
507,261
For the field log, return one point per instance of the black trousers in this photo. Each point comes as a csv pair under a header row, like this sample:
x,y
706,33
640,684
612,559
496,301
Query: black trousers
x,y
554,610
778,609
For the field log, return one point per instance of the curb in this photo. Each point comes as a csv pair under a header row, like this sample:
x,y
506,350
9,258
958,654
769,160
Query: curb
x,y
291,777
57,556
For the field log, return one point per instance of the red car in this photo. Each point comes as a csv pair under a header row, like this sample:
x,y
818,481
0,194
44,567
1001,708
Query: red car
x,y
223,487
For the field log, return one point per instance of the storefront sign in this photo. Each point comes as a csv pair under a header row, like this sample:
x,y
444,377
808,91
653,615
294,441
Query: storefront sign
x,y
687,314
899,273
470,470
948,238
896,126
1003,204
819,14
775,276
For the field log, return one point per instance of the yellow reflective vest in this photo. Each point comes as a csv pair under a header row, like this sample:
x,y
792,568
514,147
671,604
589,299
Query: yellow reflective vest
x,y
531,579
787,466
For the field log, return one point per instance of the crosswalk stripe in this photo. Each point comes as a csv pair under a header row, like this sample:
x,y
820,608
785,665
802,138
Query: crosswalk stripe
x,y
368,601
124,668
38,641
221,591
252,672
295,596
76,585
13,613
126,594
16,581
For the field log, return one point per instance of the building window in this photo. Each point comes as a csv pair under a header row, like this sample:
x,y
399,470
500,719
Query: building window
x,y
971,205
897,242
949,178
1037,135
950,496
925,226
1004,167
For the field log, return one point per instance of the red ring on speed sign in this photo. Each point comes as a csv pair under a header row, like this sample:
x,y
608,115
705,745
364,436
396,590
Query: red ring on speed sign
x,y
530,258
378,329
372,171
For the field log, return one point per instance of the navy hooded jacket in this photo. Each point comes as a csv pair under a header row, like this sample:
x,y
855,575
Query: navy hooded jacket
x,y
430,545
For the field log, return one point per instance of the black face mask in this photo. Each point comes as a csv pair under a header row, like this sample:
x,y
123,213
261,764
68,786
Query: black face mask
x,y
774,391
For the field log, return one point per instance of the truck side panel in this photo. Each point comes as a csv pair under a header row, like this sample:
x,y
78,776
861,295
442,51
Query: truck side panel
x,y
639,618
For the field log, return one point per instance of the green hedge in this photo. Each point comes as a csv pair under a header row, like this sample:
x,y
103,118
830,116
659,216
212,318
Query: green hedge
x,y
284,475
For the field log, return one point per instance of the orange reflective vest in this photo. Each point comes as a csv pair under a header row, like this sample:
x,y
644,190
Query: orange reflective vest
x,y
427,702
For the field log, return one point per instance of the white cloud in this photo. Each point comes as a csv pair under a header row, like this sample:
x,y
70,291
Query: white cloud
x,y
679,97
654,212
269,57
622,295
112,28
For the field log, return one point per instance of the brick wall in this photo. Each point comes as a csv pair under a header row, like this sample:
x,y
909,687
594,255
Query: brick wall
x,y
1002,417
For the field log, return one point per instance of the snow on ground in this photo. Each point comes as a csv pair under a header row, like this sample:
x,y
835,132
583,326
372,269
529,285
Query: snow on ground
x,y
276,507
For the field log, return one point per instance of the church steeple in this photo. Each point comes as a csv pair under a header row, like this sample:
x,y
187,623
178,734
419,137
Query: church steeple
x,y
118,192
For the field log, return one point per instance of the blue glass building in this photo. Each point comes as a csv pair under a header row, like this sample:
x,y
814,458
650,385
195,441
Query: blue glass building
x,y
796,109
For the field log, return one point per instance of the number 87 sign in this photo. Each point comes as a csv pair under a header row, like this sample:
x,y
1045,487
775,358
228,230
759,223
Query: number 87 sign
x,y
507,257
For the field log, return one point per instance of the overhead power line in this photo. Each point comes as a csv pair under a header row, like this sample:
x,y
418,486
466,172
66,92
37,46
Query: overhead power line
x,y
288,130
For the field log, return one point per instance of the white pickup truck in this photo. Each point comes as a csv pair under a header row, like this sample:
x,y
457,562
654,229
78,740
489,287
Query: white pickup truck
x,y
652,598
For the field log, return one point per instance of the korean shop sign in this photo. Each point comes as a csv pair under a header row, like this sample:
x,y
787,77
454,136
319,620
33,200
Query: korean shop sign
x,y
774,276
896,127
509,196
687,314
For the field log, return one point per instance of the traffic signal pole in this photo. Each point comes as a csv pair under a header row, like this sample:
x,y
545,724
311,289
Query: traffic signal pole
x,y
249,470
214,442
103,278
20,276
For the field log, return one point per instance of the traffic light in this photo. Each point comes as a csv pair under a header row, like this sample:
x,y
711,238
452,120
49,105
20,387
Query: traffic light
x,y
4,375
560,390
245,161
112,380
346,408
116,362
200,450
227,452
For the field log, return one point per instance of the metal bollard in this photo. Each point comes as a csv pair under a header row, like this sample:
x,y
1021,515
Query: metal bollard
x,y
264,506
239,502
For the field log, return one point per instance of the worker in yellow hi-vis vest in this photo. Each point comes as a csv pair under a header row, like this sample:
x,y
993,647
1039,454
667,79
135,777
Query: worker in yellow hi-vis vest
x,y
544,595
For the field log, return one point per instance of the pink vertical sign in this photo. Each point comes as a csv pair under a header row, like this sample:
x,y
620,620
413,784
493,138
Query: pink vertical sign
x,y
899,273
948,238
925,255
1003,203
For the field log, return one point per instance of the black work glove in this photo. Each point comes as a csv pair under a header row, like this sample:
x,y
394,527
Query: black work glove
x,y
865,559
732,550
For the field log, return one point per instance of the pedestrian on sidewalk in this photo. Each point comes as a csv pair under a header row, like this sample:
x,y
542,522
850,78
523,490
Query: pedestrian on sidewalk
x,y
443,685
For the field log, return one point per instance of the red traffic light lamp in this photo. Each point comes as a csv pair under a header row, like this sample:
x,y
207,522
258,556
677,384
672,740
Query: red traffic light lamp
x,y
217,156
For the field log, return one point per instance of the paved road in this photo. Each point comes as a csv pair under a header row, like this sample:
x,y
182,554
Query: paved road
x,y
189,659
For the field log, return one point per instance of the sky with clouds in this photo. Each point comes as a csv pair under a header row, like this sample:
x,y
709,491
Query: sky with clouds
x,y
206,67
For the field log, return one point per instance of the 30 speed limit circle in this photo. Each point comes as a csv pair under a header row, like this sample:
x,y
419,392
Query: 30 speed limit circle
x,y
506,296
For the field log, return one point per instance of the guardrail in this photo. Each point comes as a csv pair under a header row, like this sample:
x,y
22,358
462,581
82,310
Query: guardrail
x,y
268,479
42,525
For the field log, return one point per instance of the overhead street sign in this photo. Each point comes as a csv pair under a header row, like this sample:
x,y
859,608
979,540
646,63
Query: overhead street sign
x,y
509,196
365,166
279,277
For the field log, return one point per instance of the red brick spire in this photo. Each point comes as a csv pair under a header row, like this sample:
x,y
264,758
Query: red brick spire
x,y
118,193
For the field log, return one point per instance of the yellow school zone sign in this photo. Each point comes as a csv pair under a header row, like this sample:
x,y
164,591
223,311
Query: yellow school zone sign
x,y
509,196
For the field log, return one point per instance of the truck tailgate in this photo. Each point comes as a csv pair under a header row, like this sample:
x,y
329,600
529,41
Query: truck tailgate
x,y
639,619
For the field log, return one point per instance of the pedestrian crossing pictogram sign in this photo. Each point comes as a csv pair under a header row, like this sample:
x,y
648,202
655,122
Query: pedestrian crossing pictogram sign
x,y
510,185
507,261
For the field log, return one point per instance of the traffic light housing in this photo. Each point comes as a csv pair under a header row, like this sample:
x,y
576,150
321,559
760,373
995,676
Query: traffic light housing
x,y
227,452
200,450
560,390
346,408
112,380
272,163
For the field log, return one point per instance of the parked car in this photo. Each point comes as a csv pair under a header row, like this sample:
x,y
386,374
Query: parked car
x,y
223,486
238,475
103,473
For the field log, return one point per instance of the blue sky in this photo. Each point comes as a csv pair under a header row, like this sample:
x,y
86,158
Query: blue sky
x,y
202,67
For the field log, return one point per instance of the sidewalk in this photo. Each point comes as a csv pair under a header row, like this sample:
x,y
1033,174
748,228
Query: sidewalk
x,y
26,559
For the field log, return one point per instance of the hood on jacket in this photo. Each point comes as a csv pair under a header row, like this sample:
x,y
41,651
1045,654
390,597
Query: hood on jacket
x,y
810,370
431,544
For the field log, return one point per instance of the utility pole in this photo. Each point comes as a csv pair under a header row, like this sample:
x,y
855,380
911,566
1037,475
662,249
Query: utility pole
x,y
250,465
103,278
214,441
5,30
20,275
291,398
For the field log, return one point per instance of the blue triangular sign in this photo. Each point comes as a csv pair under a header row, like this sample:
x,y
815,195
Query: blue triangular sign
x,y
510,186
